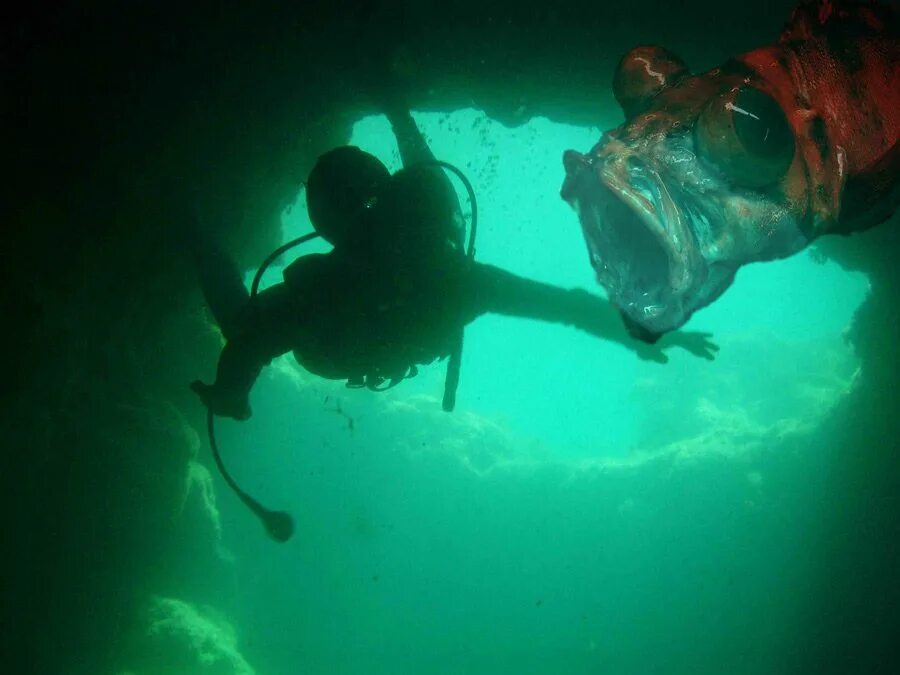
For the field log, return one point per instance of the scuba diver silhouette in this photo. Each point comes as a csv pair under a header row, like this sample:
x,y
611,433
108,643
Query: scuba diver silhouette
x,y
395,292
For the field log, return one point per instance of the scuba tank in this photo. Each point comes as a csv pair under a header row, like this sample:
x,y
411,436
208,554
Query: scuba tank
x,y
279,524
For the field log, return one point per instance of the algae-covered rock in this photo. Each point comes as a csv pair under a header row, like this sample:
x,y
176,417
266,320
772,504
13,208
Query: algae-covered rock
x,y
178,638
200,501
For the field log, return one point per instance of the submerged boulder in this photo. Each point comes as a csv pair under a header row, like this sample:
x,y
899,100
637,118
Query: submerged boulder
x,y
177,638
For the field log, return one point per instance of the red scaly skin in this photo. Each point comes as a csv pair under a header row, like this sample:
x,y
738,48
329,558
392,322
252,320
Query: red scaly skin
x,y
750,161
852,84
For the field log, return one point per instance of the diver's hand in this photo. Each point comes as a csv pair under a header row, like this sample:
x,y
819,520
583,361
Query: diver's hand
x,y
221,402
698,343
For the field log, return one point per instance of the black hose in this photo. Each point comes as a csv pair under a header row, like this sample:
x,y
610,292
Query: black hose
x,y
454,364
254,288
473,228
279,524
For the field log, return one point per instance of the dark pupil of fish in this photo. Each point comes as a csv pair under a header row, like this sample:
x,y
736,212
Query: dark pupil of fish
x,y
761,125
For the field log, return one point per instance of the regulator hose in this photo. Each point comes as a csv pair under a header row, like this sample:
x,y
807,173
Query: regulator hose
x,y
279,524
273,256
451,381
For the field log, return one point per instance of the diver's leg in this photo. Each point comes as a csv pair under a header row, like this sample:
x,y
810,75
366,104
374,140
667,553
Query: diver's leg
x,y
220,279
414,150
238,369
412,145
410,140
266,332
385,91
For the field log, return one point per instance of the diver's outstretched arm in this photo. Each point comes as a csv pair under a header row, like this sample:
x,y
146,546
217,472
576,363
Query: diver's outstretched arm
x,y
497,291
492,290
410,140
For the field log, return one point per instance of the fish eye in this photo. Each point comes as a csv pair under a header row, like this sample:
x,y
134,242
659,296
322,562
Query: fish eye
x,y
745,134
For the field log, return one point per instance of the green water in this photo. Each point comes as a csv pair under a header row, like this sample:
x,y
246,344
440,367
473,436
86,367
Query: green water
x,y
581,511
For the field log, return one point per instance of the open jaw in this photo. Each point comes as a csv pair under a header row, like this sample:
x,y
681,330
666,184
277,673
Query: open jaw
x,y
641,246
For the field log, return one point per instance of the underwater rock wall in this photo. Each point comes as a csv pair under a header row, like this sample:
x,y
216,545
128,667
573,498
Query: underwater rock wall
x,y
855,610
120,124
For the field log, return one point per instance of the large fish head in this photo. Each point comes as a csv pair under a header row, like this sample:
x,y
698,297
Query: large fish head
x,y
704,176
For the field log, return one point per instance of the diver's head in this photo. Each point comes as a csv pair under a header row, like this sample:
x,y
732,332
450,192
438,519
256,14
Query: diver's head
x,y
343,182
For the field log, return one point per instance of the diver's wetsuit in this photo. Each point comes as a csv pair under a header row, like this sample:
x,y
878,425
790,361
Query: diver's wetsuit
x,y
343,320
396,299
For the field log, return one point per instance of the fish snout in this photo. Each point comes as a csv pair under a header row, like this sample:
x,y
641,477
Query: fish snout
x,y
575,163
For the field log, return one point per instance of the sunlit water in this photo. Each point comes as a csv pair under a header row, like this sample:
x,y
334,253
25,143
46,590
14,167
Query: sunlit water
x,y
564,388
581,508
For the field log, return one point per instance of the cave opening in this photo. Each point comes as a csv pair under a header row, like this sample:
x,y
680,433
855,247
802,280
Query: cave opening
x,y
781,325
415,527
469,535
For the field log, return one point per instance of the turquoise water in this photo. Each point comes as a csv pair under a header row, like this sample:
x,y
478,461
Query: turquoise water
x,y
542,380
582,511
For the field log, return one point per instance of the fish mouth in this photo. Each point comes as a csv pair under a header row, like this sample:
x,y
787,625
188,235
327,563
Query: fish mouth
x,y
640,241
